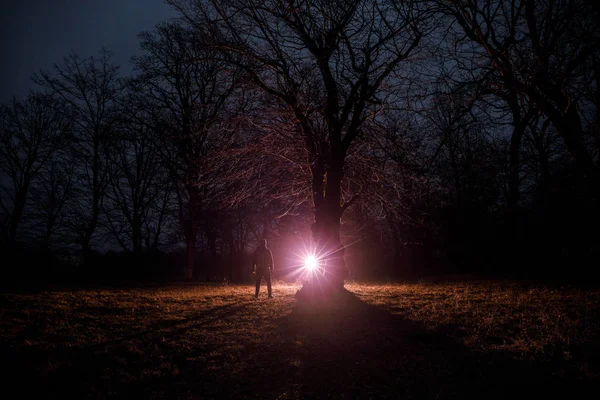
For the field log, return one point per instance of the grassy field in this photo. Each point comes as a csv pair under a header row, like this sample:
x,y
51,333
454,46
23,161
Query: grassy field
x,y
428,340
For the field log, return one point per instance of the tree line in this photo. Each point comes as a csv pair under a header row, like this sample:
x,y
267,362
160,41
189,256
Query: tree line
x,y
400,137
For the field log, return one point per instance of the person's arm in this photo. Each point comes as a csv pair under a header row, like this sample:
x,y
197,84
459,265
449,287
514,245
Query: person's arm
x,y
253,260
271,264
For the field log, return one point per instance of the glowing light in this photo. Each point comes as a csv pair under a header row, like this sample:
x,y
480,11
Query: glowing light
x,y
310,263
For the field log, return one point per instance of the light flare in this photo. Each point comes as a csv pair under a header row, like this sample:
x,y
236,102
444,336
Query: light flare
x,y
310,263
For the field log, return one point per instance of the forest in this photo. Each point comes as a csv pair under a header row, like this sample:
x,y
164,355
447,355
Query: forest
x,y
408,139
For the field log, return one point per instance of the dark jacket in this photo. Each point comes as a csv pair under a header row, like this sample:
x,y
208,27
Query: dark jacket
x,y
263,259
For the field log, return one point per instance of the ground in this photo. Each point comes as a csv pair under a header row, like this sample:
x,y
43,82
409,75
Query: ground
x,y
422,340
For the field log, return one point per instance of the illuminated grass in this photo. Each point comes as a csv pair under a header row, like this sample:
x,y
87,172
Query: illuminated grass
x,y
533,321
210,341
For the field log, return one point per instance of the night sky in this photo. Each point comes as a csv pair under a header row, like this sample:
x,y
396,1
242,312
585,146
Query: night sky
x,y
36,34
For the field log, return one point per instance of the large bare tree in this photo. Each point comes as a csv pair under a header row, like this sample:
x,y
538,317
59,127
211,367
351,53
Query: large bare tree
x,y
331,64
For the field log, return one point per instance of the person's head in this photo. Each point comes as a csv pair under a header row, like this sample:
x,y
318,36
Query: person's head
x,y
264,243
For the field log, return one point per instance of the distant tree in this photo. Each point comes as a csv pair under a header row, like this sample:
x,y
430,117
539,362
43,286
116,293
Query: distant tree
x,y
540,50
31,132
52,199
330,64
140,191
91,87
405,186
191,92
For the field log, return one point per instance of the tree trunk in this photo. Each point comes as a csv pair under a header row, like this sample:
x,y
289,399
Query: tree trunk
x,y
519,125
568,126
544,184
597,125
15,216
48,232
228,273
514,193
86,247
188,272
136,234
159,223
191,224
211,237
96,193
326,228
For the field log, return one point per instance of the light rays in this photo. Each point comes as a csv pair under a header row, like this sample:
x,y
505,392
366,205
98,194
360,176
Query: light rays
x,y
309,263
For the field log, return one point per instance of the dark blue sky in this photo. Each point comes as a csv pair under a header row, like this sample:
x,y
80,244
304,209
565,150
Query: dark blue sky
x,y
36,34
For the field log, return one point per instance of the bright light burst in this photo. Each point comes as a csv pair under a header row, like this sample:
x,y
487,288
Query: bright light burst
x,y
307,262
310,263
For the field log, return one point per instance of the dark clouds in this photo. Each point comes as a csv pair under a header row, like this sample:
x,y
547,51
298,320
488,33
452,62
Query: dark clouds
x,y
36,34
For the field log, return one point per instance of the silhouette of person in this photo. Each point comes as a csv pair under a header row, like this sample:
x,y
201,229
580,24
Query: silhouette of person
x,y
262,266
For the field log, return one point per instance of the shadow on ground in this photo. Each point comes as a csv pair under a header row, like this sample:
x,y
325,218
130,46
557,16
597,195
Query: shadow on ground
x,y
342,349
356,350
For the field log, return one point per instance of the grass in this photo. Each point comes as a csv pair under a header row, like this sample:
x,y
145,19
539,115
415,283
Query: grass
x,y
427,340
